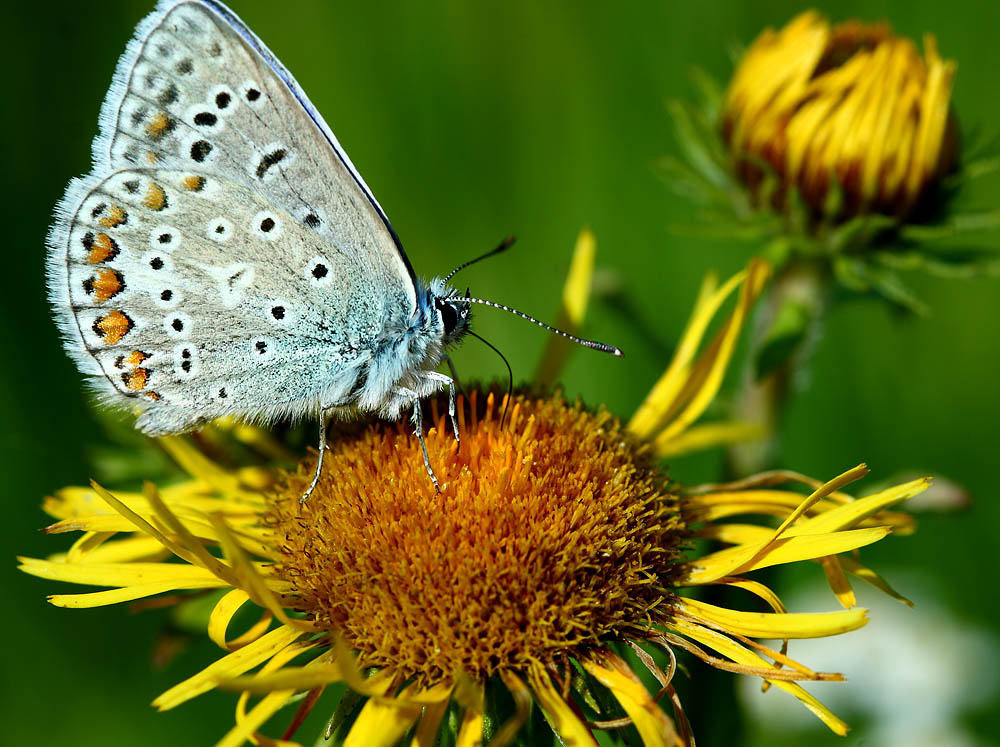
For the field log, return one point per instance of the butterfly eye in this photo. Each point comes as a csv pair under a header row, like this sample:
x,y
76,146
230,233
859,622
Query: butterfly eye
x,y
449,317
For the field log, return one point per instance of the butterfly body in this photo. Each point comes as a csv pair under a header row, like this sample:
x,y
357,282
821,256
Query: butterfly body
x,y
224,257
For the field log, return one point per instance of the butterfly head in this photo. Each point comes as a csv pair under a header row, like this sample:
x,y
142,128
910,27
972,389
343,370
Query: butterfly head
x,y
451,311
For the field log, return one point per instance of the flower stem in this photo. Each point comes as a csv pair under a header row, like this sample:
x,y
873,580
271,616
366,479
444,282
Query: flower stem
x,y
787,326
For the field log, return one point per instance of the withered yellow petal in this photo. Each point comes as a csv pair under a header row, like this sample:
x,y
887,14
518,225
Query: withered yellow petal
x,y
773,624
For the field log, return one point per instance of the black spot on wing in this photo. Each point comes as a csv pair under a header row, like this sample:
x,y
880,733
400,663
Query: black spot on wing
x,y
270,159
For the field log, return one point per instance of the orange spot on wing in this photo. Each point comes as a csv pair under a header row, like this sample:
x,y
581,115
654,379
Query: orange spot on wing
x,y
115,217
135,358
136,380
108,284
112,327
102,249
193,183
158,126
154,396
151,156
156,198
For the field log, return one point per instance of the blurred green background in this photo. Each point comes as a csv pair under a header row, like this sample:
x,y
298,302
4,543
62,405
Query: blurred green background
x,y
471,121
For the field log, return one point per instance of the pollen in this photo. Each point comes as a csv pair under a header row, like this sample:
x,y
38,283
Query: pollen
x,y
156,198
552,531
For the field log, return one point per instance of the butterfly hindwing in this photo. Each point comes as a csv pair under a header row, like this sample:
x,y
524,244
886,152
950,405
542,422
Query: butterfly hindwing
x,y
224,257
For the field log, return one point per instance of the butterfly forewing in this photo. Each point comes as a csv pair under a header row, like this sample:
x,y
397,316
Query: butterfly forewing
x,y
224,257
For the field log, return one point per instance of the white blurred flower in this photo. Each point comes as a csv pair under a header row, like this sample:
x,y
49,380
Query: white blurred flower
x,y
914,674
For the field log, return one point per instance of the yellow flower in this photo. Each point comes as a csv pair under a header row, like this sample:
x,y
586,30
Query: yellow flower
x,y
550,566
850,113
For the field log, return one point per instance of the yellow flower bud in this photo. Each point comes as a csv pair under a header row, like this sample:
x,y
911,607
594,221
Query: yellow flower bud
x,y
853,105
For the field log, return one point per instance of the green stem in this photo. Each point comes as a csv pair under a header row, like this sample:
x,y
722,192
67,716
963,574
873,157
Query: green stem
x,y
785,329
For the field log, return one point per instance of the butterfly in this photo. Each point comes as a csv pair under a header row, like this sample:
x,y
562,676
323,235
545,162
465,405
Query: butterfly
x,y
224,257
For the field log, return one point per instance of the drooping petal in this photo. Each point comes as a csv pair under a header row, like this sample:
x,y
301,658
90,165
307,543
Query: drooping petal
x,y
686,389
654,726
738,653
229,666
563,720
746,558
382,723
773,624
575,295
222,614
705,436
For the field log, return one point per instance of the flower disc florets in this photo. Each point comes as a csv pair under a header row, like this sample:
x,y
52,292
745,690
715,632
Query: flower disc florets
x,y
550,533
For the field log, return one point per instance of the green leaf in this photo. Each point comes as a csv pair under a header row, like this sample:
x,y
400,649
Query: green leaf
x,y
711,94
957,224
857,233
867,276
952,264
693,145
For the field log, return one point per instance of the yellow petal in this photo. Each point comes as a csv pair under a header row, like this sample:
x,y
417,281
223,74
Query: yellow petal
x,y
576,294
663,394
248,578
142,525
223,613
228,666
741,655
123,549
186,538
855,568
125,594
426,734
470,732
120,574
257,717
382,723
772,624
706,436
851,514
757,588
838,581
746,558
564,722
287,678
248,723
683,393
820,493
522,709
653,725
197,464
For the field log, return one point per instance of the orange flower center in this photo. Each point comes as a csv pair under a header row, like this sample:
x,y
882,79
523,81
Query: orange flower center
x,y
549,534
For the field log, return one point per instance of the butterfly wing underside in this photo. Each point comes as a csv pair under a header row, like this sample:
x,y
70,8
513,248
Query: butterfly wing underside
x,y
224,256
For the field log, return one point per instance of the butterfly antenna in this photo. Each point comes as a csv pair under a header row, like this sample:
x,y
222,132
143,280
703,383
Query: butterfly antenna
x,y
504,246
510,374
592,344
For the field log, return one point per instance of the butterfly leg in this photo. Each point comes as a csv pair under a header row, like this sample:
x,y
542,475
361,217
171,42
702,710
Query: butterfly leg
x,y
324,421
454,375
452,407
418,431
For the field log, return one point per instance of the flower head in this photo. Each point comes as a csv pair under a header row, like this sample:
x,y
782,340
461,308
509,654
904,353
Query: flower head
x,y
551,565
851,116
838,147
